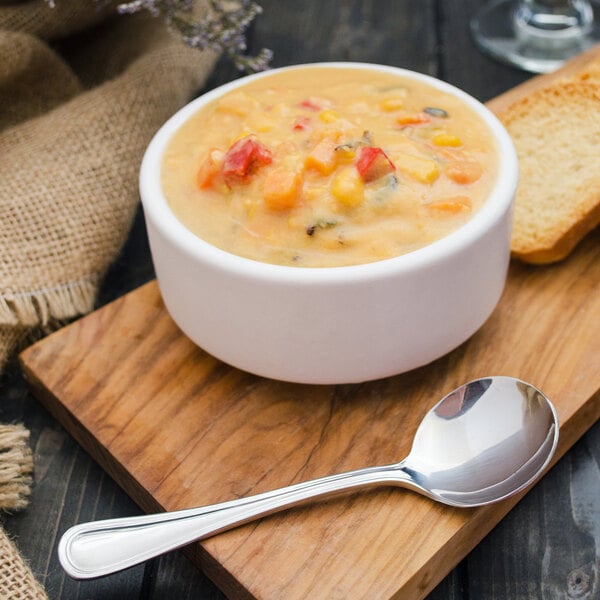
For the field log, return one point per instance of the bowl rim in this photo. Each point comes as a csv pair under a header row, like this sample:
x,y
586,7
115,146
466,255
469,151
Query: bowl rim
x,y
156,207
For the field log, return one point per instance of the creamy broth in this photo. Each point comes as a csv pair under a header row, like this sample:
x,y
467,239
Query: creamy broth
x,y
321,167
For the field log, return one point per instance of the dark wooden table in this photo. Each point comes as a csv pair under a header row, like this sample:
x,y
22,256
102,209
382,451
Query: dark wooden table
x,y
549,545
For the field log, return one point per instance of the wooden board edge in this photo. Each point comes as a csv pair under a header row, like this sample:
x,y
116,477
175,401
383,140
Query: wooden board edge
x,y
85,439
195,551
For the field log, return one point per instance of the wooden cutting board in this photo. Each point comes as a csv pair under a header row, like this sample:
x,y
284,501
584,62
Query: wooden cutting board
x,y
176,428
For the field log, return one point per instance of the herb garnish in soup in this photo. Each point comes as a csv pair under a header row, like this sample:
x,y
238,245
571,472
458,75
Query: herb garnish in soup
x,y
329,166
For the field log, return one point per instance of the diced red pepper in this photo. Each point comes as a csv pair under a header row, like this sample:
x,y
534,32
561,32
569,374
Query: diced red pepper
x,y
373,163
315,104
242,159
301,124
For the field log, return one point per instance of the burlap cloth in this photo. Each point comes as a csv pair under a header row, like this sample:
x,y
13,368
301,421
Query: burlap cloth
x,y
82,91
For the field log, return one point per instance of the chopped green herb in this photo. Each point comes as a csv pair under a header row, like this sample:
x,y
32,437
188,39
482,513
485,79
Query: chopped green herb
x,y
324,223
365,140
347,146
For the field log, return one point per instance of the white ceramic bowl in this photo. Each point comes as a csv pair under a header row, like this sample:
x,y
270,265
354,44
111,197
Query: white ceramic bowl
x,y
336,324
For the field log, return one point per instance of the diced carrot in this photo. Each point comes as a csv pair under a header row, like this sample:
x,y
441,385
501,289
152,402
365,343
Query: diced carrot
x,y
282,189
210,169
322,157
407,118
452,205
464,172
373,163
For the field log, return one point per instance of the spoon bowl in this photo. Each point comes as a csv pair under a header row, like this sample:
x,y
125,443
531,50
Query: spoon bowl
x,y
485,441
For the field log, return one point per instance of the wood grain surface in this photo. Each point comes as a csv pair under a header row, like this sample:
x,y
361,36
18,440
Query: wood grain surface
x,y
176,428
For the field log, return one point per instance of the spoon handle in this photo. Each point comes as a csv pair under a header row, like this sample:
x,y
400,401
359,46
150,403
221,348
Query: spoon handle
x,y
102,547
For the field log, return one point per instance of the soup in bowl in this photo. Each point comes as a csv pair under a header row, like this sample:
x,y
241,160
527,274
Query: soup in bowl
x,y
330,223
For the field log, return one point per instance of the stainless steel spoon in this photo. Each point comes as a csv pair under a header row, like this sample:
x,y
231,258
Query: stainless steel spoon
x,y
483,442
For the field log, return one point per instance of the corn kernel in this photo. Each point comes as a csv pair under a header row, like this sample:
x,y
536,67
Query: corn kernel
x,y
417,167
345,153
328,116
446,139
391,104
347,187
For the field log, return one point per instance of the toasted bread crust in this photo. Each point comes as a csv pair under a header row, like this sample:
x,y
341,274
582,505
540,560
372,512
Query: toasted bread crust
x,y
565,244
556,132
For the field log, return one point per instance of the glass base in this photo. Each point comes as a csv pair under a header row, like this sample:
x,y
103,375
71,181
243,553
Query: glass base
x,y
502,30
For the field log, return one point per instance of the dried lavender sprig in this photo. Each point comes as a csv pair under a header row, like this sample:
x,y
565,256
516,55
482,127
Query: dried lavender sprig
x,y
222,29
155,8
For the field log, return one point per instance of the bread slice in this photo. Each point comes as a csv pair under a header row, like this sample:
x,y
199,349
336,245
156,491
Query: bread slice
x,y
590,72
556,132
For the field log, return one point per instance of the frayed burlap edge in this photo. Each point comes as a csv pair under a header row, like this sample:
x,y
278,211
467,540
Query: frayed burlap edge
x,y
17,581
37,307
26,317
16,467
